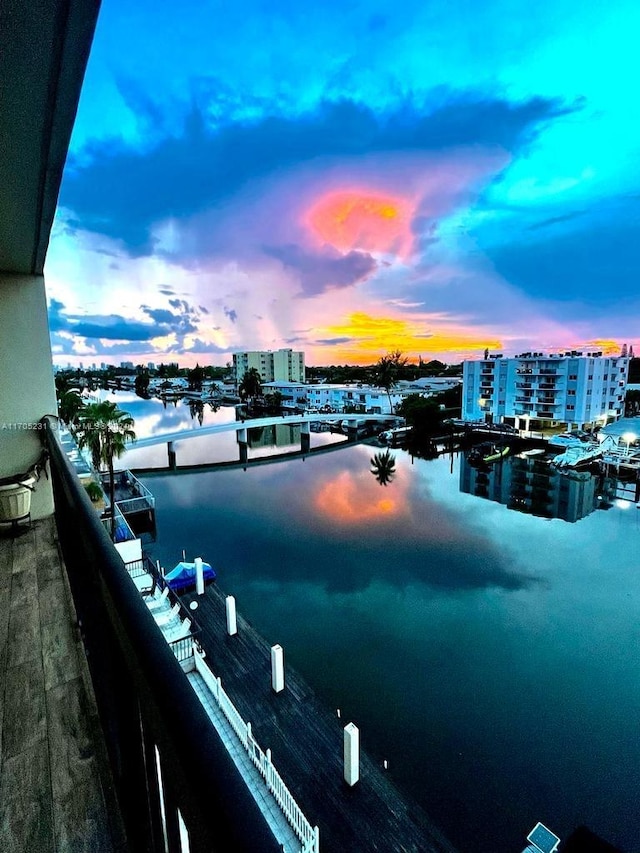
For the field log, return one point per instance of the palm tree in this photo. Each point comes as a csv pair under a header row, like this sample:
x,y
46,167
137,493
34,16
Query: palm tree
x,y
250,384
383,467
105,429
70,403
386,372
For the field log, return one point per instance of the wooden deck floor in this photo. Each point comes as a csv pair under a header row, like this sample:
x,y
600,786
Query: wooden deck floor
x,y
55,794
306,742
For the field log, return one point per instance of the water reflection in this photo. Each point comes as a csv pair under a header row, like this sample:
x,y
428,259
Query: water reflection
x,y
326,521
531,485
383,467
492,654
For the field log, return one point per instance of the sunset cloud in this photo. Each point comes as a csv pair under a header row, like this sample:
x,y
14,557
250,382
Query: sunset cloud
x,y
365,337
300,168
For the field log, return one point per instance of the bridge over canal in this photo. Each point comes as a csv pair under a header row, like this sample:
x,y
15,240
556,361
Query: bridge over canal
x,y
353,421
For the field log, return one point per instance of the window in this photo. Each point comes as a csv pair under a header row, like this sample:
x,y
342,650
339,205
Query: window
x,y
571,392
591,376
570,408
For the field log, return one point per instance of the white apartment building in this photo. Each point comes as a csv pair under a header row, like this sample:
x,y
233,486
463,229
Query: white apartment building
x,y
534,391
284,365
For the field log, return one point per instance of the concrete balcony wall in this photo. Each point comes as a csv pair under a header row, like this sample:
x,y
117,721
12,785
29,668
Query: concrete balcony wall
x,y
27,388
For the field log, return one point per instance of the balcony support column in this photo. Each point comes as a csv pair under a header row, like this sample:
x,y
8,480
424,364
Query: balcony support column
x,y
27,388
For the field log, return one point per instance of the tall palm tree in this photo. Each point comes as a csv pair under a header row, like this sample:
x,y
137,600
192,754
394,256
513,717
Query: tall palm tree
x,y
383,467
70,404
386,372
250,384
105,430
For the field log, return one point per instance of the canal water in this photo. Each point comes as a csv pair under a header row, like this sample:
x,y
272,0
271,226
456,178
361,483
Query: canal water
x,y
490,655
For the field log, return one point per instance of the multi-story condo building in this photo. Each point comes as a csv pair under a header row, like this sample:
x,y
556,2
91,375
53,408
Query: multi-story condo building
x,y
284,365
534,391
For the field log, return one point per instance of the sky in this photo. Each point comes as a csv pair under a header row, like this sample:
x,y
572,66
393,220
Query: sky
x,y
349,179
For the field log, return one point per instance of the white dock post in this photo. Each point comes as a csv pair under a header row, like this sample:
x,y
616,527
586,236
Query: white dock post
x,y
199,576
277,668
351,754
232,622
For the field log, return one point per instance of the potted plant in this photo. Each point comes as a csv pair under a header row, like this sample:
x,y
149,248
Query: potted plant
x,y
94,490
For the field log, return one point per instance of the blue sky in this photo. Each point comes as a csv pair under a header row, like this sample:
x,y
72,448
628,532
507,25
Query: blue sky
x,y
350,178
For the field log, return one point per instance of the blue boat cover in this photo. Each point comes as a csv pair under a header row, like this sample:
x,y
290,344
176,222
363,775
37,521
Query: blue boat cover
x,y
184,575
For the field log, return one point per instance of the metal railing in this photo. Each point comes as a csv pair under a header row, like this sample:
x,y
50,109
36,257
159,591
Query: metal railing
x,y
308,835
144,698
141,499
138,568
182,648
131,505
124,533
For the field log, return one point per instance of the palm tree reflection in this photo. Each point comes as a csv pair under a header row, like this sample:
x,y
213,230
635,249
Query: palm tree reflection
x,y
383,467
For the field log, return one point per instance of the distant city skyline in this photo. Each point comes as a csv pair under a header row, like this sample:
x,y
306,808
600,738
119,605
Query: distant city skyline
x,y
349,181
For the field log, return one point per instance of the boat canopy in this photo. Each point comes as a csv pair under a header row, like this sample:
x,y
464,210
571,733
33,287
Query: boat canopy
x,y
183,575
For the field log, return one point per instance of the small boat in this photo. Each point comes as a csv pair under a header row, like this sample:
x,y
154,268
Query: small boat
x,y
577,455
183,576
498,453
568,439
396,435
486,453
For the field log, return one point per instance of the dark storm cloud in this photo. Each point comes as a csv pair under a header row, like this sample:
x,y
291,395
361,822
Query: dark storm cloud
x,y
606,255
147,112
329,342
320,271
121,192
109,326
159,315
117,328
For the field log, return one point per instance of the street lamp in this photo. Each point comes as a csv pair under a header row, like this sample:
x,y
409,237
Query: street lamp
x,y
628,437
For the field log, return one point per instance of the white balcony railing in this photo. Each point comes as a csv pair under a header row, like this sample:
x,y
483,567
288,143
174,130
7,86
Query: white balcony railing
x,y
308,835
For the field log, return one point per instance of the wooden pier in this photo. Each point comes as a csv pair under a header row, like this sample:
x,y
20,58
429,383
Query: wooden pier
x,y
306,741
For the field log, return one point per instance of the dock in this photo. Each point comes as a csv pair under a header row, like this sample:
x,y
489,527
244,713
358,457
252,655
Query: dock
x,y
306,741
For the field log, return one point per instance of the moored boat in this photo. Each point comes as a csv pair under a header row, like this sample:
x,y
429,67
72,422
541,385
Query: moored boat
x,y
487,452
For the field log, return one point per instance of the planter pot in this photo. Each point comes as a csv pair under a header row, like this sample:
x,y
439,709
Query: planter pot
x,y
15,501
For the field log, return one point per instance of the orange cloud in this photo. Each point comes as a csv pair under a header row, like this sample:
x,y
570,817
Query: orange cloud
x,y
371,337
606,347
357,219
352,500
